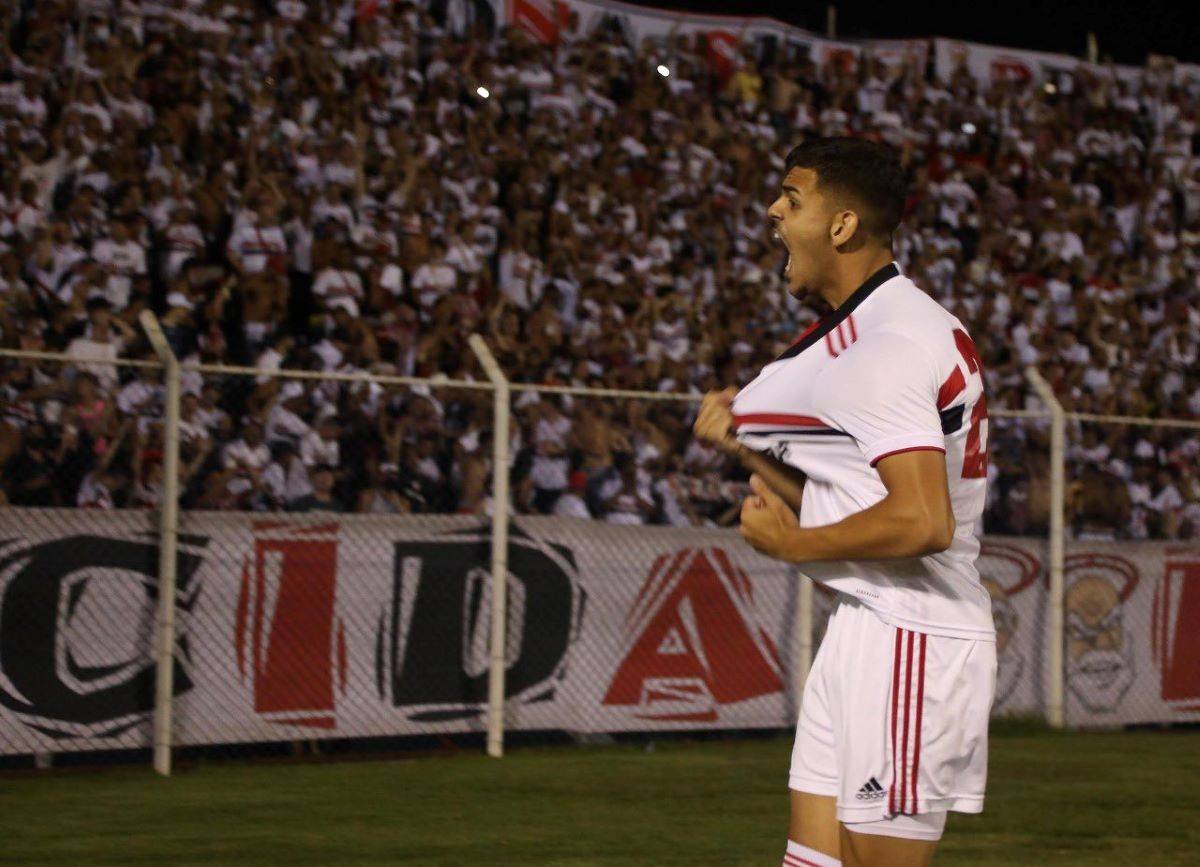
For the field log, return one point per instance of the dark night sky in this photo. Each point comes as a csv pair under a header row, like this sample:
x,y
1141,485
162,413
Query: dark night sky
x,y
1127,31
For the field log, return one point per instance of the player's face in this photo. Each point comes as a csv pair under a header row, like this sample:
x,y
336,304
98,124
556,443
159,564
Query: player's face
x,y
800,219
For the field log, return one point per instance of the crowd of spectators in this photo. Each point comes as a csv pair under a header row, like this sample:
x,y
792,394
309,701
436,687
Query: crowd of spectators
x,y
346,187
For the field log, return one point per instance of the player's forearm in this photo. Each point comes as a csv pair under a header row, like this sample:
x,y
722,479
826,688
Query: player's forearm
x,y
786,481
888,530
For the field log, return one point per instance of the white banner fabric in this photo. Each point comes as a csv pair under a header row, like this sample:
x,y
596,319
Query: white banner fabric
x,y
298,626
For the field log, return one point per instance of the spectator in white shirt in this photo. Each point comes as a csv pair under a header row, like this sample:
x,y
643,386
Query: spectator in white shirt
x,y
286,477
434,278
320,445
338,281
103,339
571,504
257,243
123,259
248,452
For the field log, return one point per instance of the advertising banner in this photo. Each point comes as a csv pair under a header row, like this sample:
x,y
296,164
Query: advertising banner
x,y
992,64
300,627
550,21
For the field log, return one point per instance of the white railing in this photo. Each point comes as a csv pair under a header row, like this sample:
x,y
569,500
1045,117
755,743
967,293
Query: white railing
x,y
164,662
1054,684
499,638
501,388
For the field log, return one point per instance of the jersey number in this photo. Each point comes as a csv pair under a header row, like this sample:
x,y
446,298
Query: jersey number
x,y
976,456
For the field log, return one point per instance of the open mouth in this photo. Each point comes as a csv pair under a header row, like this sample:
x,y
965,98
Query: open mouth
x,y
779,238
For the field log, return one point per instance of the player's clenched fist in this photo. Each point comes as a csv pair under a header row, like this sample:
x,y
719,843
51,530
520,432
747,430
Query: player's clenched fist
x,y
767,521
714,424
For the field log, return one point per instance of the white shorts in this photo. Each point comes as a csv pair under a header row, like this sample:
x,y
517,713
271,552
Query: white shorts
x,y
894,722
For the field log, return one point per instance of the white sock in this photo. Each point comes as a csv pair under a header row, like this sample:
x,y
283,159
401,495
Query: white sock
x,y
802,856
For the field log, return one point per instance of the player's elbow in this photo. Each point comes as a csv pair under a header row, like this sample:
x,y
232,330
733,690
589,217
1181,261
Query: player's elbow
x,y
939,534
924,530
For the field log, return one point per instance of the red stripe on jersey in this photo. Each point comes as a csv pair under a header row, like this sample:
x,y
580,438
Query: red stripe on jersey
x,y
807,331
917,727
907,722
829,344
895,702
954,385
913,449
853,330
778,418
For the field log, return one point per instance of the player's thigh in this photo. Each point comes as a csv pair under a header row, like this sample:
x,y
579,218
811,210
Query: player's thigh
x,y
814,822
872,850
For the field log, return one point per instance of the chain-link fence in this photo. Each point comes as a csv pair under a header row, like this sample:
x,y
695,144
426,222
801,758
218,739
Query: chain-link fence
x,y
79,436
307,493
1019,457
334,569
680,625
1132,570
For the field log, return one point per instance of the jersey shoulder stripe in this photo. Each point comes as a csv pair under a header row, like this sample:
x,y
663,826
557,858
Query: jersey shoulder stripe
x,y
832,321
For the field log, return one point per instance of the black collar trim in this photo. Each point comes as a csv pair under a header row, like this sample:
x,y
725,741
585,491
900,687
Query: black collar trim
x,y
887,272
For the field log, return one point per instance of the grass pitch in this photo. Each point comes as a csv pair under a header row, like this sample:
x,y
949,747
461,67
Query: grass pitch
x,y
1062,799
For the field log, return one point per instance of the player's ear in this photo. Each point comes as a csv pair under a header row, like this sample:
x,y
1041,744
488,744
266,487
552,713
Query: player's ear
x,y
843,228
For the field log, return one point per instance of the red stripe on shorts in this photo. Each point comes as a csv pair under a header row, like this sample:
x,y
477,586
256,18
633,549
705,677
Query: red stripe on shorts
x,y
907,721
895,700
917,732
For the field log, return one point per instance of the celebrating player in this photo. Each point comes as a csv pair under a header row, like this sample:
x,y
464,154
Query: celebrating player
x,y
873,427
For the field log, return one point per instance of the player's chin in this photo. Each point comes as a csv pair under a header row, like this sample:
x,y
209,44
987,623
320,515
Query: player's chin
x,y
795,283
793,275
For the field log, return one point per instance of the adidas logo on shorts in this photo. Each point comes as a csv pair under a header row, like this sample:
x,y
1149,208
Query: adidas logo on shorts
x,y
871,791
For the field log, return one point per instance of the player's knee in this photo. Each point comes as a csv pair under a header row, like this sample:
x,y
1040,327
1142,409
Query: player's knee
x,y
813,822
902,841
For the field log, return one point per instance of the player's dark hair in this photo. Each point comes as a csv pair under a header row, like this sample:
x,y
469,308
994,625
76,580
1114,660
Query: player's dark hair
x,y
868,172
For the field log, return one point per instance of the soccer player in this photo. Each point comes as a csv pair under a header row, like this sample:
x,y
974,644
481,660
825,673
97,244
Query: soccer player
x,y
867,441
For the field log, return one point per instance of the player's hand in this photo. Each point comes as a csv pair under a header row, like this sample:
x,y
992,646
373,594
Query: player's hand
x,y
714,424
767,521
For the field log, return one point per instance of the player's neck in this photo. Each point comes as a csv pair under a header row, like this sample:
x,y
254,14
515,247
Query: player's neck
x,y
852,271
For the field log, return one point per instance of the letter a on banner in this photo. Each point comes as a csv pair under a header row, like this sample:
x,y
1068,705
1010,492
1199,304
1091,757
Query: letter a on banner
x,y
694,641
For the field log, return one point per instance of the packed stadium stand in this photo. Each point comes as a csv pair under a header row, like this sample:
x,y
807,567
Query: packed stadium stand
x,y
300,185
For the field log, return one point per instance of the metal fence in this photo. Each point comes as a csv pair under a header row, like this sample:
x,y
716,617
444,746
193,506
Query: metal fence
x,y
269,627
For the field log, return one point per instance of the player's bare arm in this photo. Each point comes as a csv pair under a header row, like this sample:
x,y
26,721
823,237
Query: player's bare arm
x,y
914,518
714,425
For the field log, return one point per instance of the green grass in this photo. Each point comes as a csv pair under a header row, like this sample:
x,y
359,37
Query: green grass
x,y
1062,799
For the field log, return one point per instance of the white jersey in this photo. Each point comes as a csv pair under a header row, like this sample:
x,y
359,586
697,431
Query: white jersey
x,y
889,371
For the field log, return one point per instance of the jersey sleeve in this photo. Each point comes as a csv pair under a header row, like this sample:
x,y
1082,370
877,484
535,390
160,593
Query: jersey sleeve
x,y
883,393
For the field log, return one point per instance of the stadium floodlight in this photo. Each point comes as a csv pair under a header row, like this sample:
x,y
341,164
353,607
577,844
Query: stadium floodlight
x,y
663,71
968,128
483,91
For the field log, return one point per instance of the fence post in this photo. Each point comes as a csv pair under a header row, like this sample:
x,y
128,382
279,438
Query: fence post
x,y
805,620
1054,689
168,529
499,636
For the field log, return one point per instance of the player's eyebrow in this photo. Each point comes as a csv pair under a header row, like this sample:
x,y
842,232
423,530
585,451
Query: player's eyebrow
x,y
788,188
